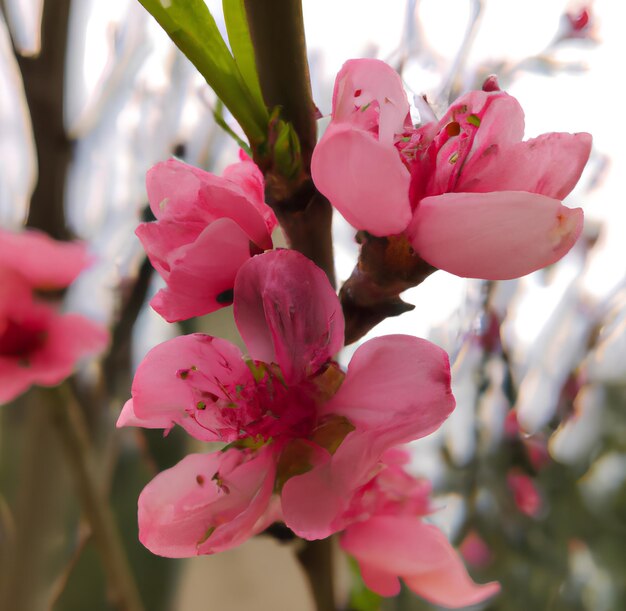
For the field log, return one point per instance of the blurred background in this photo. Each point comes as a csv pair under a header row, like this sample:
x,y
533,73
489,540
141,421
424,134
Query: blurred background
x,y
530,470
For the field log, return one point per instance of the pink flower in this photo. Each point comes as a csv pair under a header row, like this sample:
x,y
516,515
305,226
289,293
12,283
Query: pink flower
x,y
37,344
475,551
297,425
390,541
468,194
525,493
206,228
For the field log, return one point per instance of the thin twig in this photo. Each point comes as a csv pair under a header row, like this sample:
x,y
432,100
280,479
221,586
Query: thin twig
x,y
68,420
316,558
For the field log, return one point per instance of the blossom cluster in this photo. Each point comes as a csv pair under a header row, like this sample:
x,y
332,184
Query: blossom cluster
x,y
471,197
38,343
306,442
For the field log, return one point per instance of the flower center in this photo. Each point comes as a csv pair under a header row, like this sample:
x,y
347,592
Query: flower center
x,y
19,338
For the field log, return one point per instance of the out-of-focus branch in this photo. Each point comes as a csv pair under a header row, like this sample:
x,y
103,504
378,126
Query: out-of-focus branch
x,y
43,78
70,425
316,557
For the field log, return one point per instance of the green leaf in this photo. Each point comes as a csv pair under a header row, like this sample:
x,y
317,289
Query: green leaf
x,y
194,31
218,115
241,46
287,153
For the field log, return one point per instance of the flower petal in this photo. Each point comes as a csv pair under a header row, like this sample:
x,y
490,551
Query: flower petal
x,y
176,380
363,178
70,337
363,81
202,274
396,384
206,503
475,123
380,581
549,165
312,502
249,178
495,236
406,547
448,584
180,192
288,313
44,263
398,544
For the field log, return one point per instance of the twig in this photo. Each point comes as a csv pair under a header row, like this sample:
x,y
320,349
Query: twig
x,y
316,558
68,420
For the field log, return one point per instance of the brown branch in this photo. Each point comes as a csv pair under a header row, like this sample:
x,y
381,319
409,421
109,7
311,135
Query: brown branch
x,y
43,78
306,218
277,32
386,267
316,558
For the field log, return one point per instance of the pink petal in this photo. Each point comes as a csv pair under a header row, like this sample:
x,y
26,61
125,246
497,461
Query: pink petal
x,y
128,417
405,546
188,195
315,504
550,165
449,584
495,236
43,262
70,337
313,501
500,115
172,382
67,339
380,581
363,178
476,122
401,545
206,503
287,312
250,180
396,384
363,81
202,275
162,240
174,185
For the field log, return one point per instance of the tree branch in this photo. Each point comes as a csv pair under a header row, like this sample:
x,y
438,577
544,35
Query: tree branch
x,y
70,425
386,267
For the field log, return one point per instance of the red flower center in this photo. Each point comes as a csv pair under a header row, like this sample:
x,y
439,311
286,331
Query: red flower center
x,y
21,338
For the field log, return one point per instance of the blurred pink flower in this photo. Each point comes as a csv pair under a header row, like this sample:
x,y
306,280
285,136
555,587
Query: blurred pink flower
x,y
38,345
390,541
475,551
525,493
207,226
469,195
297,425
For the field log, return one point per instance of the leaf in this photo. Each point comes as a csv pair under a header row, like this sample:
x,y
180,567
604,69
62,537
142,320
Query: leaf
x,y
241,45
193,30
218,115
287,153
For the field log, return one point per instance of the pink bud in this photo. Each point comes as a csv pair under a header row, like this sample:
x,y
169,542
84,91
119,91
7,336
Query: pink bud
x,y
525,493
491,83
